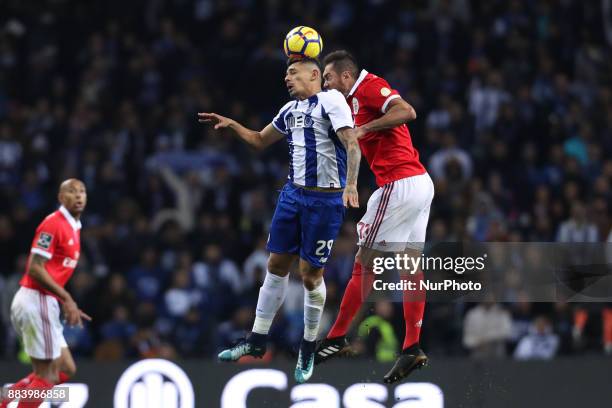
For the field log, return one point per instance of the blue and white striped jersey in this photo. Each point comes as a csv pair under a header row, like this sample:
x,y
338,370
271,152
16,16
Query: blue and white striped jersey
x,y
317,158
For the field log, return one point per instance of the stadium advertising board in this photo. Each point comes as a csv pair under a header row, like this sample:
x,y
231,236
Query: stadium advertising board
x,y
447,383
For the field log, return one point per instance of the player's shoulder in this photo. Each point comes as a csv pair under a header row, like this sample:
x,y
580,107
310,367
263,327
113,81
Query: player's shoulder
x,y
51,222
53,218
373,82
287,106
331,96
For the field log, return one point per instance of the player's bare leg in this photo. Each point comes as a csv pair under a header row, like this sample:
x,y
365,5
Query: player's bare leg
x,y
314,302
271,297
45,369
64,366
412,356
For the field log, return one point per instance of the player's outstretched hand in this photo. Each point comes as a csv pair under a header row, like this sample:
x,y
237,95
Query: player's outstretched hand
x,y
73,314
218,121
85,315
350,196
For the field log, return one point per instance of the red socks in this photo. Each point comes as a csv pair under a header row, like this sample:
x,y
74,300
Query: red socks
x,y
414,308
25,382
36,383
357,290
63,377
21,384
607,329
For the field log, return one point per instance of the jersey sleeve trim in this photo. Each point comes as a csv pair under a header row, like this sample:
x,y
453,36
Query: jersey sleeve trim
x,y
342,125
335,106
358,82
41,252
284,132
279,120
386,104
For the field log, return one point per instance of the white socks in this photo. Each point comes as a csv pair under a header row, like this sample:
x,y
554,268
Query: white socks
x,y
314,301
271,296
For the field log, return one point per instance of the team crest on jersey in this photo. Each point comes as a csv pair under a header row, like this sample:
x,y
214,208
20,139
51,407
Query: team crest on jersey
x,y
44,240
385,91
310,108
355,106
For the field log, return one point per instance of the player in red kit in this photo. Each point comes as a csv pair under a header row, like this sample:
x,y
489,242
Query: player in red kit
x,y
397,212
35,310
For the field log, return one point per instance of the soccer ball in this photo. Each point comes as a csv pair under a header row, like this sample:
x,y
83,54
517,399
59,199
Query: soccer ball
x,y
303,42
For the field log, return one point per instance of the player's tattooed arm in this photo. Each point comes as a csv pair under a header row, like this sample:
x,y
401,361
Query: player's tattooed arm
x,y
398,112
350,197
39,273
259,140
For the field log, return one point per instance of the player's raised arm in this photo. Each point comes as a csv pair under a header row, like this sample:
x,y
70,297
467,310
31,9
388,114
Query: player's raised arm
x,y
259,140
350,197
397,112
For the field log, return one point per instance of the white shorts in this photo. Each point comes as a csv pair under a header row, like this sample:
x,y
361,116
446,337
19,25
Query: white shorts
x,y
36,318
397,215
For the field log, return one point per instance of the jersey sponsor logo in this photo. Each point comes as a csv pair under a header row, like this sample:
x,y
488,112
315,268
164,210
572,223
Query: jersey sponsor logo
x,y
385,91
44,240
69,263
240,386
71,242
355,106
299,121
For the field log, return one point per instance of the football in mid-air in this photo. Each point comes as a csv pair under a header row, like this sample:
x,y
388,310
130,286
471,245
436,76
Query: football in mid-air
x,y
303,42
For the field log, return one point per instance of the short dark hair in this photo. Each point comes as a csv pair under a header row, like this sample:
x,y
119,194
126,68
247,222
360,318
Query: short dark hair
x,y
315,61
342,60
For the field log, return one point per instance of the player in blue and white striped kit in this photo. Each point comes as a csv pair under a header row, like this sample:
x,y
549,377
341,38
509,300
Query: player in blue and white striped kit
x,y
323,165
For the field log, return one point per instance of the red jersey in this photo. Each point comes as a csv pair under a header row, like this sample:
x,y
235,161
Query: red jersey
x,y
389,152
57,238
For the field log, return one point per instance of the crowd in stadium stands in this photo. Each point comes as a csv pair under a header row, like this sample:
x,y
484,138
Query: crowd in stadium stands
x,y
514,104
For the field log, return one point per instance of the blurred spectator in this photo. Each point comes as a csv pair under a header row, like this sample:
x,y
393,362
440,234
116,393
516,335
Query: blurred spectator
x,y
181,296
486,329
120,326
190,335
214,269
377,335
233,330
256,265
147,278
450,163
540,344
577,228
